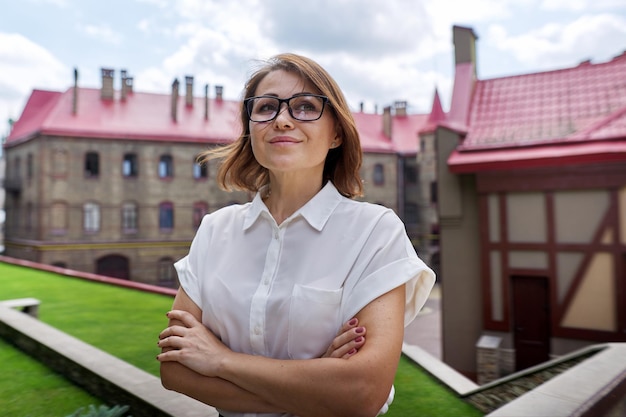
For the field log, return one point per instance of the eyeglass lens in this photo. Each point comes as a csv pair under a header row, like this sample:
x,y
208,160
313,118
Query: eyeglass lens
x,y
305,107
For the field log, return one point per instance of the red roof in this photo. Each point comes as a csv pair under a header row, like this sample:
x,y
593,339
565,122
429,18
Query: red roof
x,y
147,116
141,116
404,133
574,115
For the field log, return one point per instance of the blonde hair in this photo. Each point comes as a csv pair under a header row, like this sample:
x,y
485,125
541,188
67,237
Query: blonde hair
x,y
240,170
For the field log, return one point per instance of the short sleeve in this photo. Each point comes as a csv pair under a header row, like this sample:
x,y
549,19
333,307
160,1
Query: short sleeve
x,y
189,267
188,280
387,261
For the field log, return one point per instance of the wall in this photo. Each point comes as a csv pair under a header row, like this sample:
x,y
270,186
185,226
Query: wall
x,y
461,300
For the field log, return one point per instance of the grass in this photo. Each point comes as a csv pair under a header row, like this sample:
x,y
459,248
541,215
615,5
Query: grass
x,y
125,323
30,389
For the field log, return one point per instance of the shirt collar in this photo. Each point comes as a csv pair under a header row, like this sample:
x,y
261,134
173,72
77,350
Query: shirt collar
x,y
316,211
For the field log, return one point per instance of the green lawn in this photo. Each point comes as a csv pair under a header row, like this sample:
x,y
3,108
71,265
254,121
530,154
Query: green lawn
x,y
126,323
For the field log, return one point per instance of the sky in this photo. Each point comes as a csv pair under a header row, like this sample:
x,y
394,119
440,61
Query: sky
x,y
379,51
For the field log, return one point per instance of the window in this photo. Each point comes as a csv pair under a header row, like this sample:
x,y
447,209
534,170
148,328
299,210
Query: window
x,y
379,174
433,192
166,273
129,217
91,217
411,213
166,166
17,169
166,216
410,174
130,166
29,166
92,164
200,208
200,171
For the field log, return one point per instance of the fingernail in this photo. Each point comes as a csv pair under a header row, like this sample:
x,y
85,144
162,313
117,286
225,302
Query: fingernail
x,y
359,339
352,351
352,322
360,329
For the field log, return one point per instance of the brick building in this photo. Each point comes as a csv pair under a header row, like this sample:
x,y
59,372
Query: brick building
x,y
104,180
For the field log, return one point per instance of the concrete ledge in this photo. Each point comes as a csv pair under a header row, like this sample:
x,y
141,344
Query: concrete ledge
x,y
29,305
579,391
98,372
444,373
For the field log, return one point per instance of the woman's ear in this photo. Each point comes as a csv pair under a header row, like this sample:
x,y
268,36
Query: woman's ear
x,y
337,141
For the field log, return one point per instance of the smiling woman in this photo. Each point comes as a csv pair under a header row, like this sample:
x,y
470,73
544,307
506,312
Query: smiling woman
x,y
295,303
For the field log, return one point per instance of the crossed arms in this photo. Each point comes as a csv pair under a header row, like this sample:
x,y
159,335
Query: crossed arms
x,y
342,383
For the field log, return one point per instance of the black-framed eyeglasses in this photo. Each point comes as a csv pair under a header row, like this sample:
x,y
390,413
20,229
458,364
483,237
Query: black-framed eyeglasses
x,y
304,107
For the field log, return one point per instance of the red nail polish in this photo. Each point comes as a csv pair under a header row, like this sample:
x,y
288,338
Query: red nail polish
x,y
352,322
352,351
359,329
359,339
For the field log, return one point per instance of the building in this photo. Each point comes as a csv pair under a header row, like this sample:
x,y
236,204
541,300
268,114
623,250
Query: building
x,y
105,180
531,173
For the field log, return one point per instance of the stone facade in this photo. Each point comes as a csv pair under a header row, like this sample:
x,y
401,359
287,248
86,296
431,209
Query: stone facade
x,y
51,181
46,211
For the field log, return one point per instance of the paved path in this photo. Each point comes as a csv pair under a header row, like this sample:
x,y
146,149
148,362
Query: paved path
x,y
425,330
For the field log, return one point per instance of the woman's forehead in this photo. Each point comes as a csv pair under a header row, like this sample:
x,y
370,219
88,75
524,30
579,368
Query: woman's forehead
x,y
282,83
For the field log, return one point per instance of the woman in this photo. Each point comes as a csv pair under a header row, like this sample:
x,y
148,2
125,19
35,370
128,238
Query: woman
x,y
267,285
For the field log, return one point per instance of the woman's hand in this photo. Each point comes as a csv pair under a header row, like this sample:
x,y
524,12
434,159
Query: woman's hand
x,y
348,341
191,344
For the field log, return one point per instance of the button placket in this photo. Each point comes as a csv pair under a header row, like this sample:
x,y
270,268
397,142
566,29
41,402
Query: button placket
x,y
259,299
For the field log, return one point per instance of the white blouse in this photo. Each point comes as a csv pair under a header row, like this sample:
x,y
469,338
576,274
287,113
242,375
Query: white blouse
x,y
285,291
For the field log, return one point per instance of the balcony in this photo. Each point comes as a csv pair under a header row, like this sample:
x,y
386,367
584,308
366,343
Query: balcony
x,y
13,185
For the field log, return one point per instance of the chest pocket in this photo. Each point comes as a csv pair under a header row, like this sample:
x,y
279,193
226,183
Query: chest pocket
x,y
314,319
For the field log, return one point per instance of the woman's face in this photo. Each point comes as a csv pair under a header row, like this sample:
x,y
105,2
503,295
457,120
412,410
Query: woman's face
x,y
286,145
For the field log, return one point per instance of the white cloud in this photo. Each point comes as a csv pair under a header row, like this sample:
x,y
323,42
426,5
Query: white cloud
x,y
102,33
25,65
562,44
580,5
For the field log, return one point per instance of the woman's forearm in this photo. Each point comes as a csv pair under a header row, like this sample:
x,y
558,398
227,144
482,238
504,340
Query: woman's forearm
x,y
315,387
216,392
358,386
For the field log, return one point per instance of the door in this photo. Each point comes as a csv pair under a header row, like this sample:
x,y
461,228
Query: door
x,y
531,321
115,266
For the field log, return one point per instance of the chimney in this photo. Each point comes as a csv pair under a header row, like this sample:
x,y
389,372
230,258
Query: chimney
x,y
129,85
400,108
464,40
361,107
107,84
206,102
189,91
123,76
387,121
75,93
175,100
218,92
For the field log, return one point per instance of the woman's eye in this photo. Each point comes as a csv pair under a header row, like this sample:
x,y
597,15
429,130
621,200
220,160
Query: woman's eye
x,y
304,106
266,107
